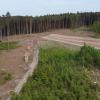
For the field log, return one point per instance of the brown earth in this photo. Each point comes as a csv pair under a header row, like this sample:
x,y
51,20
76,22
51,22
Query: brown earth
x,y
74,40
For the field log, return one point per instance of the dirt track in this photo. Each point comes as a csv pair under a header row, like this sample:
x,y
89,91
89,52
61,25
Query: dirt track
x,y
74,40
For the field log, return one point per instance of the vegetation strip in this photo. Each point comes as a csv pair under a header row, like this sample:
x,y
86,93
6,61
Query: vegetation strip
x,y
8,45
62,74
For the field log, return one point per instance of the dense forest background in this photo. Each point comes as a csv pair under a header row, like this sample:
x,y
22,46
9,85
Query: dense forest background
x,y
13,25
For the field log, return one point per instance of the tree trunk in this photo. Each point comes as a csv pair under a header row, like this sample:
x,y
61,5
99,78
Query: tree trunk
x,y
8,35
30,26
0,34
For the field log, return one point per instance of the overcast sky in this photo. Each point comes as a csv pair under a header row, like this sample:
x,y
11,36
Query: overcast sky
x,y
44,7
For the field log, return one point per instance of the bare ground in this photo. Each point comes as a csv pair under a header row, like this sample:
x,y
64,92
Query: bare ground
x,y
74,40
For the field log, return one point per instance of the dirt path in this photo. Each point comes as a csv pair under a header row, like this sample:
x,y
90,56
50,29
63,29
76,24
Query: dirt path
x,y
13,62
74,40
29,72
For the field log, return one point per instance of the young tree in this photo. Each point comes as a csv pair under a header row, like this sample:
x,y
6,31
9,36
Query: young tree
x,y
8,14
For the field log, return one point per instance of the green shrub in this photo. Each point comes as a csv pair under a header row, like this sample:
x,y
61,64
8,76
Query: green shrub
x,y
89,57
8,45
4,77
7,76
96,27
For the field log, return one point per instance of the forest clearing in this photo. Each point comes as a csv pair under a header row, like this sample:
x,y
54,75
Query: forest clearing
x,y
49,50
25,40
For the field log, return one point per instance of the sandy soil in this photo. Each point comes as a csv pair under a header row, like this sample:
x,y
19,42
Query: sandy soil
x,y
74,40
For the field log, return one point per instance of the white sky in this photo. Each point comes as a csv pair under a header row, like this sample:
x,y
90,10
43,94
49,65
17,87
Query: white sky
x,y
44,7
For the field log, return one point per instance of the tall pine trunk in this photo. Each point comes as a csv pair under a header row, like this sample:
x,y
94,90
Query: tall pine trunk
x,y
30,26
8,31
0,34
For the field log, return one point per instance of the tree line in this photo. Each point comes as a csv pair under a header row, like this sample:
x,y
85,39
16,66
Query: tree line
x,y
14,25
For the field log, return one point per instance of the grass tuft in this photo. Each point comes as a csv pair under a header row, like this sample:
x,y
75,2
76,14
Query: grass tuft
x,y
4,77
8,45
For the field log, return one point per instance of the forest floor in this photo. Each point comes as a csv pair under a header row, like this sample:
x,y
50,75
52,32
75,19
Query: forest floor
x,y
13,62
